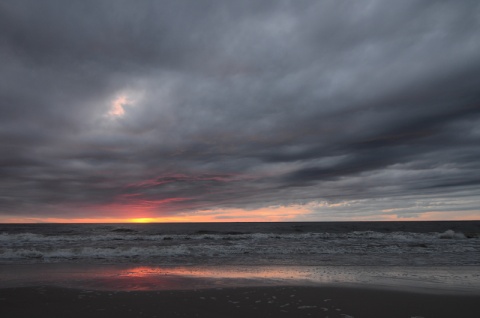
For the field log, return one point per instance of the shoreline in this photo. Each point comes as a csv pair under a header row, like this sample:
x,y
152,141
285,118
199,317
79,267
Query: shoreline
x,y
461,280
274,301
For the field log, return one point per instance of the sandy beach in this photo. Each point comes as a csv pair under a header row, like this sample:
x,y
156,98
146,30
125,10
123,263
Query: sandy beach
x,y
251,302
63,290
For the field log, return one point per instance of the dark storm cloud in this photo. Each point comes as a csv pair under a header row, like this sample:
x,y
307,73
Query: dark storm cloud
x,y
236,105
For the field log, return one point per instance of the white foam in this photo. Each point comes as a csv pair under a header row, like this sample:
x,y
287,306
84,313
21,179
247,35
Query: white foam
x,y
400,236
95,253
337,248
450,234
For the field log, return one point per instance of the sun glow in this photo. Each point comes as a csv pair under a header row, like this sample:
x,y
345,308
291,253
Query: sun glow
x,y
142,220
148,213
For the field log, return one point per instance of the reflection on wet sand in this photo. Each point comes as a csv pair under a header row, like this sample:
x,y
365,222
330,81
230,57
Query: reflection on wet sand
x,y
157,278
130,278
280,273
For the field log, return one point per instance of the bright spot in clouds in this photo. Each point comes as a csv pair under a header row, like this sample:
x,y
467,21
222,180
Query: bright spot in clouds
x,y
116,109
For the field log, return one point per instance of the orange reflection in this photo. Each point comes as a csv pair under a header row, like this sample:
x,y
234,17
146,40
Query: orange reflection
x,y
144,278
125,278
235,272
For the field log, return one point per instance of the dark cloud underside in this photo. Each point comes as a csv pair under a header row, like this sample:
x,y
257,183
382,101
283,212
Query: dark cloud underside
x,y
194,105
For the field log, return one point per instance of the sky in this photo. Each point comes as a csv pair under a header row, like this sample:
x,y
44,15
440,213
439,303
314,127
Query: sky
x,y
212,110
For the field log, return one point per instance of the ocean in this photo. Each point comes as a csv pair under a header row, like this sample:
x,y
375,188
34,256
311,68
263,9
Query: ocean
x,y
199,255
319,243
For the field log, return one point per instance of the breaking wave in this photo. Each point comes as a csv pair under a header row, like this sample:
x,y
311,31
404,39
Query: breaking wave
x,y
356,247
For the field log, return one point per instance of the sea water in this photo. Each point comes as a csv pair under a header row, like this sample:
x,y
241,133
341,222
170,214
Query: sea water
x,y
321,243
432,255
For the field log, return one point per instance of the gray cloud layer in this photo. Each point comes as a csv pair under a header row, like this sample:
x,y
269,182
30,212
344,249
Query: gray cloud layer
x,y
237,105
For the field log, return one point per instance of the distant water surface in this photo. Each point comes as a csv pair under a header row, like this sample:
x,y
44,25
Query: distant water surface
x,y
300,244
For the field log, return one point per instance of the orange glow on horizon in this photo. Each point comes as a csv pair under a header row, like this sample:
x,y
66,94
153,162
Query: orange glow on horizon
x,y
142,220
135,214
149,214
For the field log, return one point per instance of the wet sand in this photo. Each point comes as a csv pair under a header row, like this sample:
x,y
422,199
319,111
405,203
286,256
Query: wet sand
x,y
249,302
